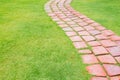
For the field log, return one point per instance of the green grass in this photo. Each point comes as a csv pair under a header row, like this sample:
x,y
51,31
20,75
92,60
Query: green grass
x,y
33,47
106,12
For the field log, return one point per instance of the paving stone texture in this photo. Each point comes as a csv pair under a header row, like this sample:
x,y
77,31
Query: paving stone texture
x,y
98,46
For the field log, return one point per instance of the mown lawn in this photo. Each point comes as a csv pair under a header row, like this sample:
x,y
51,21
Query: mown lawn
x,y
106,12
33,47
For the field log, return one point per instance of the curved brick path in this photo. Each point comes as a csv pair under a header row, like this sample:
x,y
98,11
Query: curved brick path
x,y
99,47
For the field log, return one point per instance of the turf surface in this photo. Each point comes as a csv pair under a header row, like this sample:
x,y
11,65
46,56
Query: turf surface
x,y
33,47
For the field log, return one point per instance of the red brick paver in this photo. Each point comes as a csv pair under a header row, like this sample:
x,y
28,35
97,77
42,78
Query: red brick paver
x,y
95,32
101,37
99,47
106,59
78,29
98,50
75,38
83,33
79,45
94,43
96,70
112,70
70,33
88,38
115,51
107,32
89,59
115,38
108,43
89,28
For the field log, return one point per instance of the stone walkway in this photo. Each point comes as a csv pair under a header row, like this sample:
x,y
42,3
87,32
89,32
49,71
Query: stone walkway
x,y
99,47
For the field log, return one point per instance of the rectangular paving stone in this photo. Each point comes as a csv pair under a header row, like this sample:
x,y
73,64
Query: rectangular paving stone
x,y
89,28
76,38
95,32
107,59
89,59
115,51
83,33
63,17
108,33
112,70
78,21
98,50
94,43
115,38
67,19
101,37
89,21
82,24
71,33
108,43
78,28
100,28
80,45
95,24
96,70
88,38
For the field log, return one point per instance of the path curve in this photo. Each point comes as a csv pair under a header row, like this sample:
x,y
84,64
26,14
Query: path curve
x,y
98,46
